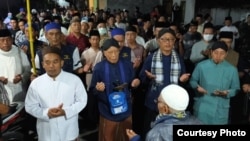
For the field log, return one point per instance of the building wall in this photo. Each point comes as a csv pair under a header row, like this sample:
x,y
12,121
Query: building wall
x,y
144,5
102,4
219,14
190,11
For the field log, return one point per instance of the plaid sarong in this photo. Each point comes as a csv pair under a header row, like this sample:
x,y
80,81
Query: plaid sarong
x,y
3,95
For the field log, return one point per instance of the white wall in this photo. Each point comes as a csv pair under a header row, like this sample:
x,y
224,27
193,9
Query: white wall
x,y
103,4
219,15
189,12
145,6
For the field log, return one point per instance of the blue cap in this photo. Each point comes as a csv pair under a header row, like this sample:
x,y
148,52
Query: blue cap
x,y
52,25
21,9
117,31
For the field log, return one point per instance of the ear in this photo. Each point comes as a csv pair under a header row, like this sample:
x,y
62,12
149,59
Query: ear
x,y
104,54
43,64
158,40
62,63
166,108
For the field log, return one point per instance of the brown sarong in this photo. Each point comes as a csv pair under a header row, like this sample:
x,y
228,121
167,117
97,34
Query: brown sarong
x,y
114,131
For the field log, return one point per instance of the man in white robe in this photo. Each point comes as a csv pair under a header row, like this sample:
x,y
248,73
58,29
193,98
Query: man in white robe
x,y
15,67
55,99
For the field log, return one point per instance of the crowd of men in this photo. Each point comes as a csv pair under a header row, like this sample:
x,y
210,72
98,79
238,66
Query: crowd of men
x,y
83,60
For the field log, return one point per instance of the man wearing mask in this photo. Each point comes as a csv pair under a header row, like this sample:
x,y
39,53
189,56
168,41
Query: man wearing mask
x,y
102,28
7,20
200,50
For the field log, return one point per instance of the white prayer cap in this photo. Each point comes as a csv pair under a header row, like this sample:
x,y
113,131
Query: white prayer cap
x,y
84,21
33,11
175,97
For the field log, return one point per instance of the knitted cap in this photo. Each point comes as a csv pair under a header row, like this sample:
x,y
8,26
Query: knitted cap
x,y
110,43
175,97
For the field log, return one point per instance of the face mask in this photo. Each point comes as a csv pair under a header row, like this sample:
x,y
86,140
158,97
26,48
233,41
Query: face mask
x,y
102,31
208,37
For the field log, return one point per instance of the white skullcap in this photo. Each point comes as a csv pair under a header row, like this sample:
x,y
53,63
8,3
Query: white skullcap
x,y
33,11
175,97
84,21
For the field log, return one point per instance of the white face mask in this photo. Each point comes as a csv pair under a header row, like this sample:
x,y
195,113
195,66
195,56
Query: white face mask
x,y
208,37
102,31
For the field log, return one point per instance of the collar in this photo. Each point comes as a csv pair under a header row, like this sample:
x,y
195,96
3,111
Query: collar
x,y
12,51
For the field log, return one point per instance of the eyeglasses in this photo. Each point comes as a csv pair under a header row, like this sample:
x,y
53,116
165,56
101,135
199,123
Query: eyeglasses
x,y
167,40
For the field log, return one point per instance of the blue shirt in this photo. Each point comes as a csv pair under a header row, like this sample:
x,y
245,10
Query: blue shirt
x,y
162,128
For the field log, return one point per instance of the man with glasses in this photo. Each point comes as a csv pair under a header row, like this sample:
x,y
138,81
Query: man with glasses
x,y
161,68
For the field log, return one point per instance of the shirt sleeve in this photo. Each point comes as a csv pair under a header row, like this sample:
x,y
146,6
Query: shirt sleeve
x,y
76,59
195,77
146,66
26,67
80,100
136,138
32,105
235,84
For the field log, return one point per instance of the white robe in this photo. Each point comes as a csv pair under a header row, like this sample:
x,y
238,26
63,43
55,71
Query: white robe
x,y
12,63
45,93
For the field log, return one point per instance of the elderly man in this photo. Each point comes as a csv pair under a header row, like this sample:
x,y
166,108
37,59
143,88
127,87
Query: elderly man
x,y
70,53
55,99
110,77
161,68
215,81
172,103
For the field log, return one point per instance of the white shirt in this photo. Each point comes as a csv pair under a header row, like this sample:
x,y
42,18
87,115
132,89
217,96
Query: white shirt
x,y
140,40
231,29
89,55
121,25
45,93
